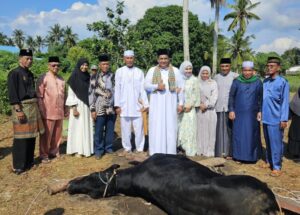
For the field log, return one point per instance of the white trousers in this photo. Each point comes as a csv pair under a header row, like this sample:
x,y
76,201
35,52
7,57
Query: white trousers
x,y
137,123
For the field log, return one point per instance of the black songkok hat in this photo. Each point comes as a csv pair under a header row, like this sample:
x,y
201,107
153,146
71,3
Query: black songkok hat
x,y
25,52
163,52
54,59
274,60
104,57
225,61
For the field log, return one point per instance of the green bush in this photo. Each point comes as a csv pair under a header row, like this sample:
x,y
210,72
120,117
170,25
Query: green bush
x,y
294,81
4,104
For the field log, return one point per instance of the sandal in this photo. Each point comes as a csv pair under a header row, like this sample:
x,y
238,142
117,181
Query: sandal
x,y
46,160
275,173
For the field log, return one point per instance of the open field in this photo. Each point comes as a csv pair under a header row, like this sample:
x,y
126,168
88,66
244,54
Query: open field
x,y
26,193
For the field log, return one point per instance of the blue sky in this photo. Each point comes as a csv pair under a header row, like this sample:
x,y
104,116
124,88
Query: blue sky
x,y
277,31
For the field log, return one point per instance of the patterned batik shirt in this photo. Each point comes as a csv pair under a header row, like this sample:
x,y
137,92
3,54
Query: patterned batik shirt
x,y
101,93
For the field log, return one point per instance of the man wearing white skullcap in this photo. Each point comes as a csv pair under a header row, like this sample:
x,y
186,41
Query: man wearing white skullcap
x,y
245,101
130,102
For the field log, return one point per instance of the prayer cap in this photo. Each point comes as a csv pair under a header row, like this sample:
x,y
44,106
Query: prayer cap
x,y
163,52
94,67
248,64
25,52
274,60
128,53
225,61
53,59
103,57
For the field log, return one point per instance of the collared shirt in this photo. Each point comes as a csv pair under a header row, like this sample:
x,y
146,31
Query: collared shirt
x,y
51,96
275,107
130,94
224,83
20,84
101,93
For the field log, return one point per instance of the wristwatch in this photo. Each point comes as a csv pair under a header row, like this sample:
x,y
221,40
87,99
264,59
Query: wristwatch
x,y
18,110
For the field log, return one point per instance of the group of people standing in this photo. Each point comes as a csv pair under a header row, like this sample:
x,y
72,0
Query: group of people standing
x,y
202,116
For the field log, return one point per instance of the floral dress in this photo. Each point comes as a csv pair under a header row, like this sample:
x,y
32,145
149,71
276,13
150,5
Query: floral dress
x,y
187,132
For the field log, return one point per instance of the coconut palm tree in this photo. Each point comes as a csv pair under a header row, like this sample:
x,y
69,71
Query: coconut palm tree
x,y
55,35
216,4
3,39
18,38
30,43
69,38
239,47
39,42
241,15
185,30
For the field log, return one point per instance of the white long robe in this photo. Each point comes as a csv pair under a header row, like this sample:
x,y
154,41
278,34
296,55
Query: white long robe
x,y
80,129
131,96
129,89
163,113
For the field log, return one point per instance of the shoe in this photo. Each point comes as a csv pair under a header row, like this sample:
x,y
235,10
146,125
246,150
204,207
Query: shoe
x,y
109,152
45,160
275,173
265,165
124,153
98,157
228,158
18,171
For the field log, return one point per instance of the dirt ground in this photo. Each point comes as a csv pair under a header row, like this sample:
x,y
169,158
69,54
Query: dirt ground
x,y
26,193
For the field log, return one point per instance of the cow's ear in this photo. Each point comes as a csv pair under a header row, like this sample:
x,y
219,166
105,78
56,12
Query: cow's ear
x,y
115,166
112,168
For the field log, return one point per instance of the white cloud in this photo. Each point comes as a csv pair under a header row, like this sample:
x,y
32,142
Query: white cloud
x,y
80,14
280,45
279,19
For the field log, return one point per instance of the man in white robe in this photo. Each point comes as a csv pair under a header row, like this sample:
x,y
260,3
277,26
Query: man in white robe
x,y
130,101
164,83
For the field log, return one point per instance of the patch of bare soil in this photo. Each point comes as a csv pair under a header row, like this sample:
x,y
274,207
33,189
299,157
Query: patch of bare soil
x,y
26,193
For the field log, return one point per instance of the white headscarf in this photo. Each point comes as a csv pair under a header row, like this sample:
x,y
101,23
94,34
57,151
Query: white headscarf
x,y
183,66
204,68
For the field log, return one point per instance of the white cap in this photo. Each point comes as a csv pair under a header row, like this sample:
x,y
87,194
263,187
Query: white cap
x,y
248,64
94,67
128,53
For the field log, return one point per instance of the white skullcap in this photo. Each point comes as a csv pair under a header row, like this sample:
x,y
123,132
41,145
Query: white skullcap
x,y
128,53
248,64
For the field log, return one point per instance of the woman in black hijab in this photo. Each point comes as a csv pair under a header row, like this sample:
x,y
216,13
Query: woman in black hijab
x,y
80,129
294,134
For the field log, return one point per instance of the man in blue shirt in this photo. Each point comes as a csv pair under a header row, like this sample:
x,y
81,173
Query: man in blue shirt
x,y
275,112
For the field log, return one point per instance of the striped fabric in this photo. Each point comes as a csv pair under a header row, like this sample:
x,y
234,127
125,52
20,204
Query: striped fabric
x,y
157,77
32,125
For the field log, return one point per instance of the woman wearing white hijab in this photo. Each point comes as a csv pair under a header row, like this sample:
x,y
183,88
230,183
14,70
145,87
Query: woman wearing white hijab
x,y
187,135
206,115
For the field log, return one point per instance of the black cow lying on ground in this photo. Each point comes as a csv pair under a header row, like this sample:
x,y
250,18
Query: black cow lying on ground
x,y
181,186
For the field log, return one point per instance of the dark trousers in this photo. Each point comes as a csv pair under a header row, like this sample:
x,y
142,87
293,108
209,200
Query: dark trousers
x,y
104,133
23,153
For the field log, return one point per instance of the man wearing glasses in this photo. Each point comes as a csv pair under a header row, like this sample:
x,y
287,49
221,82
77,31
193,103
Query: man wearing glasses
x,y
51,100
275,111
224,81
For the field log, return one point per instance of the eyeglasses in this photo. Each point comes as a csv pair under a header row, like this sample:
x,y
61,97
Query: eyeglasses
x,y
55,65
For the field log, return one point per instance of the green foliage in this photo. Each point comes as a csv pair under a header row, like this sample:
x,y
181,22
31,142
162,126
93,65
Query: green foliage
x,y
161,27
111,35
75,53
294,81
4,103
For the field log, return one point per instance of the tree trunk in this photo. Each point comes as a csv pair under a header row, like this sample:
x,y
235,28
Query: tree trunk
x,y
216,32
185,30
